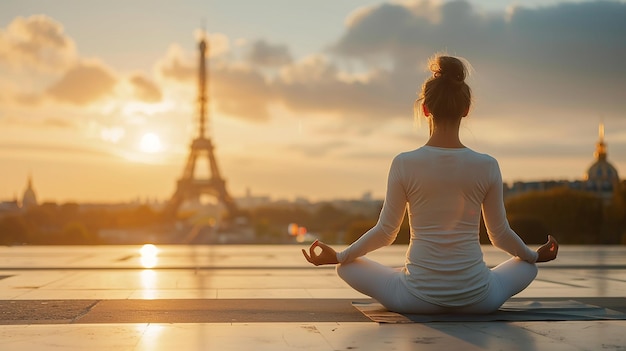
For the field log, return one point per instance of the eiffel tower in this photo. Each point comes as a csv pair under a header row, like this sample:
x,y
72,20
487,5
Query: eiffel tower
x,y
189,187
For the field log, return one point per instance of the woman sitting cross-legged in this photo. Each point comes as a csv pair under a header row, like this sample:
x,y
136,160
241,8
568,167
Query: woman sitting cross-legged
x,y
445,187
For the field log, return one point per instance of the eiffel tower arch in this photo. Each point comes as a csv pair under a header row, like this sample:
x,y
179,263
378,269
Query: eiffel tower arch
x,y
189,187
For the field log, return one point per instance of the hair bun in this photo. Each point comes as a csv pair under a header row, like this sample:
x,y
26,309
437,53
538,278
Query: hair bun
x,y
448,68
445,93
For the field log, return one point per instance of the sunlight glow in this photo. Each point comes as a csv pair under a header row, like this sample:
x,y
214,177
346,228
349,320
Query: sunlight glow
x,y
153,334
148,284
149,255
151,143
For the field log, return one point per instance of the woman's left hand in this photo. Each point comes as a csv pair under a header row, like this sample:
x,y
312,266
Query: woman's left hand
x,y
548,251
327,256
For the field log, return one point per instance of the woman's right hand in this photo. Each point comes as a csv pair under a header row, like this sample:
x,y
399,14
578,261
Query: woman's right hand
x,y
548,251
327,256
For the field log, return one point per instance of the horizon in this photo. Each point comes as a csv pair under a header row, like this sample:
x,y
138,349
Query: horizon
x,y
297,110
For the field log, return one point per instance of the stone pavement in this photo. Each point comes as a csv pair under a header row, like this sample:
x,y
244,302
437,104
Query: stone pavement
x,y
266,298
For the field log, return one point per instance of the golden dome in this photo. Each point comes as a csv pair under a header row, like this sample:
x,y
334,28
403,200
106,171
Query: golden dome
x,y
601,175
602,170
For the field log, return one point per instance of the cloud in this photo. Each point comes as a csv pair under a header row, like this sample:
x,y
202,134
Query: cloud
x,y
317,85
50,148
28,99
145,89
37,41
563,59
177,66
39,61
217,43
33,122
84,83
242,92
56,122
265,54
242,87
556,61
235,88
312,85
183,67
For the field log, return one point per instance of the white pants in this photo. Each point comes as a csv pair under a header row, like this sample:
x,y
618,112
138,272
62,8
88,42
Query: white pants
x,y
385,285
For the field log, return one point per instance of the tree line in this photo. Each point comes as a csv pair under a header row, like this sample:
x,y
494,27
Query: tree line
x,y
68,224
574,217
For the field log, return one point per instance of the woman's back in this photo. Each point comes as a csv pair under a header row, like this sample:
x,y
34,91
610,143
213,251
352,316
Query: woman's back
x,y
445,188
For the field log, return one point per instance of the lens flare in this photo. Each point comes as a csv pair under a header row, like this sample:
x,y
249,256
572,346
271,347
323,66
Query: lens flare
x,y
149,254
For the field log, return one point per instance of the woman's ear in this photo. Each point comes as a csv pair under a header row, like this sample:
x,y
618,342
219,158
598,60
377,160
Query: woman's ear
x,y
425,110
466,112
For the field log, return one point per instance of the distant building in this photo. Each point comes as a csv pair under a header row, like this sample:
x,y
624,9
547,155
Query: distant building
x,y
367,196
251,201
9,207
601,178
30,198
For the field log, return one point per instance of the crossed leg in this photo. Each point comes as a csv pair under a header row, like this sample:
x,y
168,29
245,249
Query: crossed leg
x,y
507,279
385,285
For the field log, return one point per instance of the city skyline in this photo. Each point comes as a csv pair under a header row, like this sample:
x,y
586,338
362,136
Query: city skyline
x,y
295,112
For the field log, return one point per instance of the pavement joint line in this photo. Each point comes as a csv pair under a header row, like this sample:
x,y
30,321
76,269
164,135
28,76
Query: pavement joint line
x,y
561,283
87,310
48,268
258,268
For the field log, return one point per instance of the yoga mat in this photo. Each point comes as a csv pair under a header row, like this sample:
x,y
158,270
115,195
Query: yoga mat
x,y
512,310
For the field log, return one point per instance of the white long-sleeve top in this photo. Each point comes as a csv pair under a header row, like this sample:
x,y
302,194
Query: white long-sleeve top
x,y
445,190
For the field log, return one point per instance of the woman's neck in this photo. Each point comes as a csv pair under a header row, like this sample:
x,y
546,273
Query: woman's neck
x,y
445,135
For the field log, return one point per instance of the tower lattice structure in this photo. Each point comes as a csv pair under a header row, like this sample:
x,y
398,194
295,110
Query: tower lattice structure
x,y
189,187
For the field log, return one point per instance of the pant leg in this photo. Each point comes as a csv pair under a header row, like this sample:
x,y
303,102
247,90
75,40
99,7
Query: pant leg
x,y
514,276
507,279
385,285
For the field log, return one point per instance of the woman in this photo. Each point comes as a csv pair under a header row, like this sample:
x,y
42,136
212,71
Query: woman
x,y
444,186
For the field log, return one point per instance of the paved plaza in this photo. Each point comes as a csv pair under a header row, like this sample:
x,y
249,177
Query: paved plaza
x,y
229,297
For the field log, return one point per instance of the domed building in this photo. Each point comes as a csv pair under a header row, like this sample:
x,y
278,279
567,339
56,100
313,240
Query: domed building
x,y
602,177
30,198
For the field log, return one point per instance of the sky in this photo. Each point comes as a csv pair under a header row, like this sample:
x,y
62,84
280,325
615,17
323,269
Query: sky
x,y
309,98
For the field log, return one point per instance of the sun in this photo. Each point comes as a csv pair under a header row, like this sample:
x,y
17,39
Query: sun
x,y
150,143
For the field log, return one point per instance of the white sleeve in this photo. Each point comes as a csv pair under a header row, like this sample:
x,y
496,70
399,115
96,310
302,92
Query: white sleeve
x,y
500,233
386,229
